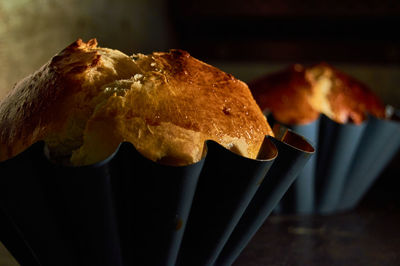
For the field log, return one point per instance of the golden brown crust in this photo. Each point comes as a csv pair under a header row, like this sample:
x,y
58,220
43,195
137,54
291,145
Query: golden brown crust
x,y
298,95
87,100
44,104
285,94
349,99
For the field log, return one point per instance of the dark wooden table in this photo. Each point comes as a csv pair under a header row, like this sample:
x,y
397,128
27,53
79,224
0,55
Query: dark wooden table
x,y
367,236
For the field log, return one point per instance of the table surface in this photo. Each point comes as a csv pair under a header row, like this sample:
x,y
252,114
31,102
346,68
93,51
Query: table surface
x,y
362,237
368,235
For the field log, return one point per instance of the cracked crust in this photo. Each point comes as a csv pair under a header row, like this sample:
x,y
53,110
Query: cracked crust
x,y
298,95
86,100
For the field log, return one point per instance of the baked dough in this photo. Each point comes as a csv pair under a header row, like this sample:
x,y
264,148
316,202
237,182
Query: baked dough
x,y
87,100
298,95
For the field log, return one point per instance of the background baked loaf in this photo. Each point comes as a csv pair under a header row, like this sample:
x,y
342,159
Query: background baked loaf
x,y
298,95
86,100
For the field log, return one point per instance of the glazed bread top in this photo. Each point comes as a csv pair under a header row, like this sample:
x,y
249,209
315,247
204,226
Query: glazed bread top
x,y
87,100
298,95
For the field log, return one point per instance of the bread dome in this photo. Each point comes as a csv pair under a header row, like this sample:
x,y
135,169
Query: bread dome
x,y
86,100
298,95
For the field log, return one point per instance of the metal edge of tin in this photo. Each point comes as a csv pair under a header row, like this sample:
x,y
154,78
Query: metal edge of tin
x,y
221,198
277,181
301,198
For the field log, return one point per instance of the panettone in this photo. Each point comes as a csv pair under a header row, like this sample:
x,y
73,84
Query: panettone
x,y
298,95
87,100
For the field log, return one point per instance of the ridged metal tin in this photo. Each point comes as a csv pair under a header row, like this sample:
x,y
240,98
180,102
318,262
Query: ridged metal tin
x,y
128,210
349,159
301,197
277,181
378,145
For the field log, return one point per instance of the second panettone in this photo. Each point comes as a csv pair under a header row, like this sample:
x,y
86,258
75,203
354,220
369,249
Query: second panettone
x,y
344,119
299,94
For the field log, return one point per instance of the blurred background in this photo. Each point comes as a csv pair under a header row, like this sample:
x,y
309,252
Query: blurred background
x,y
247,39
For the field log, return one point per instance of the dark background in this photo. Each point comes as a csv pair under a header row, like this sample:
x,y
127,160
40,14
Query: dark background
x,y
245,38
